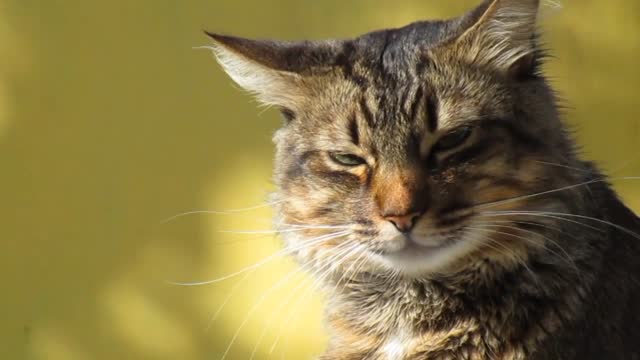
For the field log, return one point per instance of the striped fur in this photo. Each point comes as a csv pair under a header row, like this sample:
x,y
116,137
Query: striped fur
x,y
512,247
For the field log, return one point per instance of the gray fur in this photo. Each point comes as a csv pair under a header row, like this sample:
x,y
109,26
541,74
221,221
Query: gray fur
x,y
558,284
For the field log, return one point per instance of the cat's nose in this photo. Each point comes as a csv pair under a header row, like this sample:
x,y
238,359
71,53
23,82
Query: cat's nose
x,y
404,223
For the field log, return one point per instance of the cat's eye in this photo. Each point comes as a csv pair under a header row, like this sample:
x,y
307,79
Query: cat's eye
x,y
347,159
453,139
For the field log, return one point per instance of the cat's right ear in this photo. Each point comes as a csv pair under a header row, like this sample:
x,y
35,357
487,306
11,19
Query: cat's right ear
x,y
502,33
276,72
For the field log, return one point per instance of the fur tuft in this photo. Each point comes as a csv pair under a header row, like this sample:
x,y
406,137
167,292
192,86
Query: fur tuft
x,y
504,34
270,86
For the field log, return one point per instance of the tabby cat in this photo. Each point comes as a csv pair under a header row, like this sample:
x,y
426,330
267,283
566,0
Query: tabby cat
x,y
425,178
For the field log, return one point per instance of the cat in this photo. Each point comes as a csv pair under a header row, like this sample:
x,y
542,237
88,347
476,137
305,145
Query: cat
x,y
425,178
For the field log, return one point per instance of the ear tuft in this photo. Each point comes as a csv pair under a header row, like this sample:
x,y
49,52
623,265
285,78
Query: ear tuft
x,y
503,34
258,67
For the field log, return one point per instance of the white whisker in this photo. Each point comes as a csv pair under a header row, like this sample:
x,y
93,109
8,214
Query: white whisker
x,y
621,228
506,201
232,292
567,257
542,215
320,275
223,212
508,252
586,171
255,307
278,310
264,261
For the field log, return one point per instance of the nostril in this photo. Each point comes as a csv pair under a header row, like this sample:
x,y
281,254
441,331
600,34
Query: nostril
x,y
403,223
402,228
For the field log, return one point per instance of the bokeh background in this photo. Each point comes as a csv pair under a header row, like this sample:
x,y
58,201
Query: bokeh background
x,y
111,123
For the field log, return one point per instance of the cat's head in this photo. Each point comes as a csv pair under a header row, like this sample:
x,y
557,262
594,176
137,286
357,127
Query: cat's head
x,y
398,142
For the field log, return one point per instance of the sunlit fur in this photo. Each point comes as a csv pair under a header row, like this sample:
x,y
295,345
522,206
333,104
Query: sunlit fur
x,y
518,244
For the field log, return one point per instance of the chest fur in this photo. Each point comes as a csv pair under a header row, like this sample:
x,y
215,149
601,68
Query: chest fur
x,y
464,342
415,326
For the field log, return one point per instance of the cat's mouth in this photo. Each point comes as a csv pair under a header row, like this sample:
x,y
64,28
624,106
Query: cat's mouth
x,y
413,251
415,242
416,255
411,247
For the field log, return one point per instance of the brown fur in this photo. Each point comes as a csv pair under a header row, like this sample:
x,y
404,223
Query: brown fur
x,y
455,128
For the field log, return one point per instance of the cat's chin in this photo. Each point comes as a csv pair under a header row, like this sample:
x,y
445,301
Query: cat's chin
x,y
415,259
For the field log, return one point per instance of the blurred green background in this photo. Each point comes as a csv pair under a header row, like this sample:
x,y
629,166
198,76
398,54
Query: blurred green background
x,y
110,123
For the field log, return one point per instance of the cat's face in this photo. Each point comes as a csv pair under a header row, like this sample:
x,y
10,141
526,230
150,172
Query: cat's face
x,y
398,141
403,165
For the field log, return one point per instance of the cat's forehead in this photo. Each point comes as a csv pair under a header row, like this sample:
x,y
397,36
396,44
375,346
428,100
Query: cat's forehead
x,y
393,89
427,101
404,75
396,121
393,111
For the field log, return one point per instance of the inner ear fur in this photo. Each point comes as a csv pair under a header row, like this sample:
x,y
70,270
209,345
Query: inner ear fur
x,y
276,72
502,34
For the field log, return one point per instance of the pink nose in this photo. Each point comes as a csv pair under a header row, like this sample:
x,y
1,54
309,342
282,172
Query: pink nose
x,y
404,223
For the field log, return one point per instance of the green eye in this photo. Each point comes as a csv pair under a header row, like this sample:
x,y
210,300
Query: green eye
x,y
347,159
453,139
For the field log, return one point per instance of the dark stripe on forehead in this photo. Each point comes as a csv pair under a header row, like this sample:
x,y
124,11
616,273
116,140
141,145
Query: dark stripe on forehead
x,y
432,112
415,105
423,63
353,129
346,60
366,112
404,100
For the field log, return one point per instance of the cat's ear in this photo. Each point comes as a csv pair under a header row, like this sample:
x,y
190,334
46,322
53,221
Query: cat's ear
x,y
277,73
502,33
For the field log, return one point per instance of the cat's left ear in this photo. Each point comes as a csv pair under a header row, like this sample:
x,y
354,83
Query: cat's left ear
x,y
502,34
278,73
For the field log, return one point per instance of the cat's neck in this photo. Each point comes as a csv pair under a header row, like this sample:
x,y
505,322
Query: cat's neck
x,y
484,304
485,287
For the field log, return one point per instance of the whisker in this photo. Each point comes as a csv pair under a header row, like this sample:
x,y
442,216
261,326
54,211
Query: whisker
x,y
290,319
531,223
569,187
222,212
316,284
565,167
512,213
232,292
311,226
358,263
264,261
291,228
280,307
277,285
257,232
290,297
624,164
566,258
616,226
508,253
544,226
